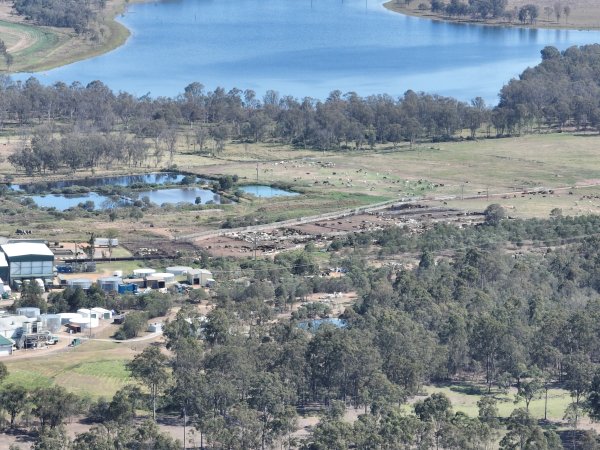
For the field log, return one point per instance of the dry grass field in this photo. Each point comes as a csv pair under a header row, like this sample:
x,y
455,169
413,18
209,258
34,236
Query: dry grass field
x,y
555,171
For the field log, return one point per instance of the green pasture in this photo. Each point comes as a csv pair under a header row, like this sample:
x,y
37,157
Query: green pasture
x,y
464,398
94,369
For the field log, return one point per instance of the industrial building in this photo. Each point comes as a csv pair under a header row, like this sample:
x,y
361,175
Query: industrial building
x,y
200,277
25,260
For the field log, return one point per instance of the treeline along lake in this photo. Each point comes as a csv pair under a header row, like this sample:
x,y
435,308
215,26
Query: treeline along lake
x,y
309,48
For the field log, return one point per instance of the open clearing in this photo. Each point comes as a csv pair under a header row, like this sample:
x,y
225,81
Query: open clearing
x,y
93,369
528,175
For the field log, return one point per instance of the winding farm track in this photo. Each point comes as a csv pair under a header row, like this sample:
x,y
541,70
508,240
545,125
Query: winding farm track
x,y
21,39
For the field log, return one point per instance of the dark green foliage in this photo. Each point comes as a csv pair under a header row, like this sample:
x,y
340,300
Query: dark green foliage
x,y
53,405
75,14
31,295
133,325
13,400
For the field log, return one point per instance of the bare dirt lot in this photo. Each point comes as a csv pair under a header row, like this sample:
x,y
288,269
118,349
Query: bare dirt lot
x,y
321,232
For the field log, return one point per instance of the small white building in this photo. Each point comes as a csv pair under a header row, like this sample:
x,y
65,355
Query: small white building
x,y
199,277
103,314
155,327
106,242
87,313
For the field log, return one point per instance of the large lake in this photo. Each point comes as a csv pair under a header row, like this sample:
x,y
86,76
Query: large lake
x,y
309,48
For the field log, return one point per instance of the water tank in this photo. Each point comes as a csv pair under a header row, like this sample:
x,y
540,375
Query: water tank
x,y
118,273
67,317
29,311
27,327
85,323
110,284
83,283
52,322
167,277
144,272
178,270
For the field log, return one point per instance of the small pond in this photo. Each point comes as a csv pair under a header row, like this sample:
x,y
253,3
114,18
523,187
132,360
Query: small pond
x,y
315,324
266,191
178,195
63,202
121,180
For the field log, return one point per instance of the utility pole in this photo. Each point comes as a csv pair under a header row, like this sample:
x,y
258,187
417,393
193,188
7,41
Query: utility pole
x,y
255,246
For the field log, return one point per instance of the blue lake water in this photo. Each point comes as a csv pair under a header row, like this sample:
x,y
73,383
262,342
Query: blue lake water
x,y
159,196
63,202
266,191
121,180
185,195
309,48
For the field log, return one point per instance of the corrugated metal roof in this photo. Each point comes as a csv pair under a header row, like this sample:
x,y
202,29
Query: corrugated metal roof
x,y
5,341
25,249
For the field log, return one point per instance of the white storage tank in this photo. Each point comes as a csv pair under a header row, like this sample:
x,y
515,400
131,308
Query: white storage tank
x,y
51,322
143,273
118,273
65,318
160,280
85,323
110,284
83,283
178,270
29,311
27,327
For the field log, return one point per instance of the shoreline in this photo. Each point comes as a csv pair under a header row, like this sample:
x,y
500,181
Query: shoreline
x,y
66,47
393,6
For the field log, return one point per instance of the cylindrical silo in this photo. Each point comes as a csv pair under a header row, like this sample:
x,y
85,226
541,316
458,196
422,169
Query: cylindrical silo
x,y
144,272
29,311
51,322
178,270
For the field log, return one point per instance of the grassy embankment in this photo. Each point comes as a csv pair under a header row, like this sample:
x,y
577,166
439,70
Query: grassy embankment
x,y
584,14
36,48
